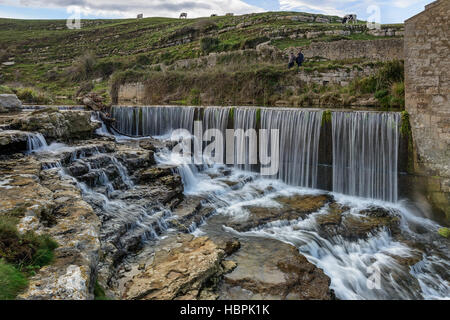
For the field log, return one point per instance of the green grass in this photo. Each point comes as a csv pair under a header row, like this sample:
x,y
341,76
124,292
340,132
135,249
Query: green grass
x,y
21,255
51,60
99,292
12,281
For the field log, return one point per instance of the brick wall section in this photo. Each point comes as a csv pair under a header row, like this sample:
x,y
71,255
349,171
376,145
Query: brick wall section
x,y
427,86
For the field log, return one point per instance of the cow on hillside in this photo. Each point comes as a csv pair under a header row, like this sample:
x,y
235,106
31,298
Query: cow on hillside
x,y
183,15
349,18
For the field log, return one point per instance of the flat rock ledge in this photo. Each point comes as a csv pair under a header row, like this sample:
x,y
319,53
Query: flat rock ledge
x,y
190,269
271,270
53,205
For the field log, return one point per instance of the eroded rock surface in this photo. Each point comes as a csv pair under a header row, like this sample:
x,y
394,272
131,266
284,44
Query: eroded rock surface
x,y
57,125
355,227
291,208
187,270
54,206
270,269
9,103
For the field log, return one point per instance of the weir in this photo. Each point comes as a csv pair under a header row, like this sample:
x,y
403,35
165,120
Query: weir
x,y
364,145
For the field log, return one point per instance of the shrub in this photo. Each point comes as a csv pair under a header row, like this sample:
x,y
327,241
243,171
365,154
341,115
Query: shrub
x,y
5,90
12,281
25,251
209,44
194,97
253,42
143,60
106,68
30,95
82,68
392,71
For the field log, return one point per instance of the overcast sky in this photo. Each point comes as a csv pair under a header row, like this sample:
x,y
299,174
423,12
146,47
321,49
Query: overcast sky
x,y
391,11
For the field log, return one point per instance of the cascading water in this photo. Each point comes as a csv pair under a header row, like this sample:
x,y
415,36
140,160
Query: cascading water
x,y
361,141
365,154
35,141
299,143
245,119
152,121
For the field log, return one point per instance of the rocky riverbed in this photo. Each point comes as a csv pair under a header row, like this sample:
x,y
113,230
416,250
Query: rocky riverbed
x,y
127,219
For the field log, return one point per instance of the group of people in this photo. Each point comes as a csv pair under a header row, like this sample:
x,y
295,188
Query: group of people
x,y
296,59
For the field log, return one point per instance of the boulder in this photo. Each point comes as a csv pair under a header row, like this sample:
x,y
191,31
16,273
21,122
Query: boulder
x,y
270,269
183,272
9,103
291,208
93,101
13,141
57,125
355,227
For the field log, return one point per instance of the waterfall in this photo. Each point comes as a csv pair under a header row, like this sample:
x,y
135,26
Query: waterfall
x,y
245,119
365,154
153,121
35,141
217,118
299,143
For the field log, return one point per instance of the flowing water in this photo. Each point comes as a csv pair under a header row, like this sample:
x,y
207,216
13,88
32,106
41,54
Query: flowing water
x,y
365,154
35,142
371,267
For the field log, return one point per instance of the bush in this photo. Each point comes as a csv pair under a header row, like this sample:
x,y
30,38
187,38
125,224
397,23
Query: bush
x,y
106,68
5,90
209,44
30,95
12,281
194,97
25,251
82,68
253,42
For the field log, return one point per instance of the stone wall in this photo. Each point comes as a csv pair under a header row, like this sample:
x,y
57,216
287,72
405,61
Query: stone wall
x,y
381,49
131,92
427,86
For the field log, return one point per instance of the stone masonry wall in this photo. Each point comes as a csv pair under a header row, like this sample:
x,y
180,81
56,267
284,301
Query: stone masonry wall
x,y
381,49
427,86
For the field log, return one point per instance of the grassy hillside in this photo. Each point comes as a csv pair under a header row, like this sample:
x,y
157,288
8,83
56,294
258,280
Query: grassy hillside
x,y
53,64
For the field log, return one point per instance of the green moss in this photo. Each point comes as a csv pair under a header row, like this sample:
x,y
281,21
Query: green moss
x,y
326,117
406,133
258,116
445,232
12,281
99,292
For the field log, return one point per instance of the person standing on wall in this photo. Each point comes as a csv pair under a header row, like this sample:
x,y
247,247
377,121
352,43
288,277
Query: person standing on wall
x,y
291,60
300,58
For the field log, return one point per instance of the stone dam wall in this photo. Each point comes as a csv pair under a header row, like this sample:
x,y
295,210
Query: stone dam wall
x,y
427,87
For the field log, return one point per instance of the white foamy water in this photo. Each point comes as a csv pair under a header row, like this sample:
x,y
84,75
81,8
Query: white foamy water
x,y
364,269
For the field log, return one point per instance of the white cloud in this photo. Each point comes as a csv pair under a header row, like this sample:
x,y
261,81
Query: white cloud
x,y
152,8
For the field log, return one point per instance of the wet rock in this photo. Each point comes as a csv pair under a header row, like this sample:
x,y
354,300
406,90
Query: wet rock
x,y
269,269
354,227
9,103
12,141
51,204
291,208
152,174
179,273
56,125
191,212
93,101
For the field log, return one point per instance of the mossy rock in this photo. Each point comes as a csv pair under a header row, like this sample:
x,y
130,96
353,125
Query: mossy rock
x,y
445,232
